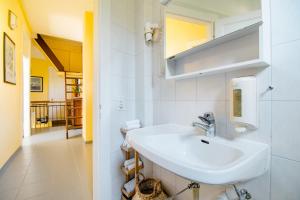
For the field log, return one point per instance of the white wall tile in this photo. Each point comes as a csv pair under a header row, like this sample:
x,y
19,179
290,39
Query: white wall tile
x,y
117,160
156,88
264,131
156,171
148,167
259,188
129,65
116,183
168,179
264,81
210,192
285,129
118,38
167,113
185,112
120,89
182,183
284,20
131,88
117,62
130,14
148,86
167,90
156,112
148,120
285,179
211,88
285,71
186,90
118,12
119,117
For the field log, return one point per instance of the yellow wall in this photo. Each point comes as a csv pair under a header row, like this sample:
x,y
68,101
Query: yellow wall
x,y
182,34
11,95
40,67
87,53
68,52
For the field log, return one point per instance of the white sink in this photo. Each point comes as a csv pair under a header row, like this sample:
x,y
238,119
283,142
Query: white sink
x,y
187,153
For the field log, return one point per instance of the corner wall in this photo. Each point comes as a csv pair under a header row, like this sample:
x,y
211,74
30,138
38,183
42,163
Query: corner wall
x,y
11,95
122,76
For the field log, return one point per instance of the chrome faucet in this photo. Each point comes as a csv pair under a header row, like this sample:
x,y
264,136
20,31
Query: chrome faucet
x,y
208,125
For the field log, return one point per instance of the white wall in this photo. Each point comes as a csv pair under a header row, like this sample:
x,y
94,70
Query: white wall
x,y
56,85
26,83
182,101
285,176
123,82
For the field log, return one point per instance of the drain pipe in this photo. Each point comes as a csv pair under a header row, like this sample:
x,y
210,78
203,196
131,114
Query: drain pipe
x,y
192,186
242,194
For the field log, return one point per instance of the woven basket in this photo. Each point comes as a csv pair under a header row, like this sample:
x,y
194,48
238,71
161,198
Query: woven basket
x,y
149,189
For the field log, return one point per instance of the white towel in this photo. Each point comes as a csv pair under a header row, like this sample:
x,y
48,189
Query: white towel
x,y
126,144
132,166
128,162
129,186
130,125
136,121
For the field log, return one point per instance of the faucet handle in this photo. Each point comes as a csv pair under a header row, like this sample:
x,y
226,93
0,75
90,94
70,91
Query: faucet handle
x,y
208,118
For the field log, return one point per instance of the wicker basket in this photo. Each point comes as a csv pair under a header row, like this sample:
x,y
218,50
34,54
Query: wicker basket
x,y
149,189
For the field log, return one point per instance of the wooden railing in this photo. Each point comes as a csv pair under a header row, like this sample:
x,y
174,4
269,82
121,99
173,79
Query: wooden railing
x,y
47,114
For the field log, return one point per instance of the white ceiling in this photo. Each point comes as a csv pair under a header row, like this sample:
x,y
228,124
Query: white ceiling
x,y
59,18
222,7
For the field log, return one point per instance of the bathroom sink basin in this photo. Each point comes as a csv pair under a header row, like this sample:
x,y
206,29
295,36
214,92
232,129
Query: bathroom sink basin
x,y
187,153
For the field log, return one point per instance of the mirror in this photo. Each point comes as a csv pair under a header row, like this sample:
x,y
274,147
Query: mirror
x,y
189,23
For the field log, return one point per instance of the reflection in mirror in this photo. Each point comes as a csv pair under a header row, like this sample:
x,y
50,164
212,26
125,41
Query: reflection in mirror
x,y
189,23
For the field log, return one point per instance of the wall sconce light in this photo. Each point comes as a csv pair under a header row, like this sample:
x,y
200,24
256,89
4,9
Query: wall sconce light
x,y
152,32
165,2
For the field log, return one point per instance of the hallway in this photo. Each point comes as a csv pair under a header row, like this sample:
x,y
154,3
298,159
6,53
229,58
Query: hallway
x,y
48,167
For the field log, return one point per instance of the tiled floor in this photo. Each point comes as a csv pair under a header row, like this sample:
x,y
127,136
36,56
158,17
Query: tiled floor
x,y
49,167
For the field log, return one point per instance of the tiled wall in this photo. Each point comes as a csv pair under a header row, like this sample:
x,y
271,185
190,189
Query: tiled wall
x,y
182,101
123,82
285,171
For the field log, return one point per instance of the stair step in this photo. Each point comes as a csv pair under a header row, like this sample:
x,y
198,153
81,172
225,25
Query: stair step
x,y
74,127
68,84
74,108
77,117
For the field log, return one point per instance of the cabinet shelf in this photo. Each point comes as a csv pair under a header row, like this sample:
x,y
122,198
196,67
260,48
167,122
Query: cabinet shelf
x,y
130,172
126,194
126,149
241,49
256,63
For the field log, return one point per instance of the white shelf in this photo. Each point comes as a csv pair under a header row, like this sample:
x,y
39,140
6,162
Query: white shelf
x,y
250,37
231,36
221,69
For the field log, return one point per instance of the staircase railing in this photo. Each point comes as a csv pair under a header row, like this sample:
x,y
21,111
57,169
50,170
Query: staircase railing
x,y
46,114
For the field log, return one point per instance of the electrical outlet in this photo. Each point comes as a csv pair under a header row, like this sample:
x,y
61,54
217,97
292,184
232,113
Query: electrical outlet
x,y
121,105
